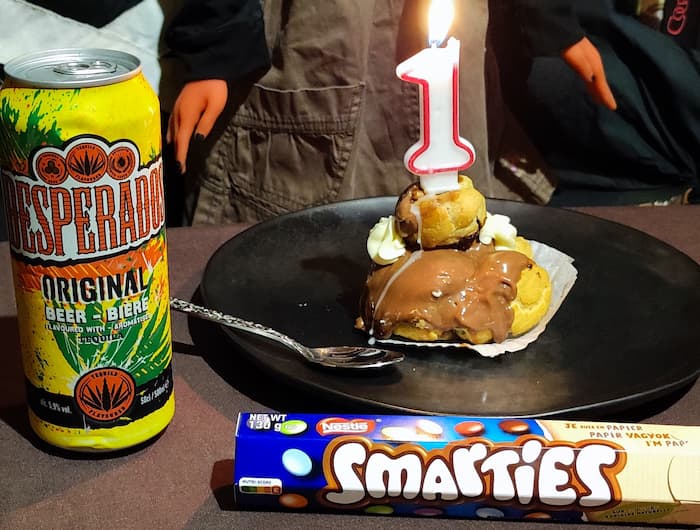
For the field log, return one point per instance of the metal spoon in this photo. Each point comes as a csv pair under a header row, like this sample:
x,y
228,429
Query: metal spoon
x,y
331,356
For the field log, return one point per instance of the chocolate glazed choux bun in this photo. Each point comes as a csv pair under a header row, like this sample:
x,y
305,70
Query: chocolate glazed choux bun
x,y
449,219
477,295
445,269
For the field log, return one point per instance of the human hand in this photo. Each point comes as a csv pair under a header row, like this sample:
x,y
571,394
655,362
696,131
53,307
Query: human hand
x,y
196,110
584,59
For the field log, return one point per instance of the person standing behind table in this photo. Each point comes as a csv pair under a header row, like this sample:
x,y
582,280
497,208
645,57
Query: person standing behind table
x,y
549,25
523,29
648,150
340,53
316,113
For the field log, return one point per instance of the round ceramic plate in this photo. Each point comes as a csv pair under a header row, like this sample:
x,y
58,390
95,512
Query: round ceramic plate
x,y
621,338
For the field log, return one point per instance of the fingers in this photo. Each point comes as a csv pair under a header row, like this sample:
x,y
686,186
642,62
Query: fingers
x,y
604,96
183,134
598,83
197,108
169,131
217,95
584,58
577,57
180,127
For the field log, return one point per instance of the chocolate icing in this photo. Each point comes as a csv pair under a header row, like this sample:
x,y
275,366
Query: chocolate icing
x,y
407,220
446,288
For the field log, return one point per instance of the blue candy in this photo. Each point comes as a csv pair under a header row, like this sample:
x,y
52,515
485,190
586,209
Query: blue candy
x,y
297,462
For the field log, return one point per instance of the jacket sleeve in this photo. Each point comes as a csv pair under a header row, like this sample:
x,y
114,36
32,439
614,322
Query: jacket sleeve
x,y
219,39
549,26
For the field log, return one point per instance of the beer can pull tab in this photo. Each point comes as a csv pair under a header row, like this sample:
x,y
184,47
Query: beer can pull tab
x,y
85,68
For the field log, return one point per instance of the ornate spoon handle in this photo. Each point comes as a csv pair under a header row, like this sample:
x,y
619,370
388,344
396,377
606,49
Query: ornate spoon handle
x,y
235,322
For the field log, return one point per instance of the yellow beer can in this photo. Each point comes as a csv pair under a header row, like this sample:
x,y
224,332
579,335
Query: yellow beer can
x,y
82,184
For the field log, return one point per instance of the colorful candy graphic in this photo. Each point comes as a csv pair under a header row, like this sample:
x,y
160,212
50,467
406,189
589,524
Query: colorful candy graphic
x,y
462,467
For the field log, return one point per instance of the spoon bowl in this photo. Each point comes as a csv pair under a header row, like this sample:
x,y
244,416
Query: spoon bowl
x,y
350,357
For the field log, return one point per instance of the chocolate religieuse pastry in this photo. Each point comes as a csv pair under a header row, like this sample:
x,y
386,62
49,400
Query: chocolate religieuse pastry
x,y
445,269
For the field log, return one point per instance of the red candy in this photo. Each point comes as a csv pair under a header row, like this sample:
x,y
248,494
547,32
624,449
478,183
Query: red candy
x,y
514,426
470,428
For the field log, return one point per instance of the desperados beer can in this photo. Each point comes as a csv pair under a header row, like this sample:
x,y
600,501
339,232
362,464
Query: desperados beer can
x,y
82,184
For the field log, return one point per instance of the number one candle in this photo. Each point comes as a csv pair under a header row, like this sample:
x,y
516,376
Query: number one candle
x,y
440,152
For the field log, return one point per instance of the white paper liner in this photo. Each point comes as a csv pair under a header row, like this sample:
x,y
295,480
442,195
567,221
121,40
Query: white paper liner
x,y
562,274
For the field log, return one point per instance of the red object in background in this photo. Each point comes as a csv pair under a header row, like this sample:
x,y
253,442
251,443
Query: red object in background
x,y
682,22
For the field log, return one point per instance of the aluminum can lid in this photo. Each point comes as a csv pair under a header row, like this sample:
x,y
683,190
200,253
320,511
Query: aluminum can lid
x,y
72,68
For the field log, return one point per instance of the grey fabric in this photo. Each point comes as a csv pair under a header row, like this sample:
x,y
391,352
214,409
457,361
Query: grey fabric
x,y
330,120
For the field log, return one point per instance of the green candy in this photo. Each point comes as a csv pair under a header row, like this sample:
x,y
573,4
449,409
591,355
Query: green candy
x,y
379,509
293,427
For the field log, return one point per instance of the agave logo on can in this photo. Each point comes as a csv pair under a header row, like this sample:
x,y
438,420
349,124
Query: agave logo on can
x,y
105,394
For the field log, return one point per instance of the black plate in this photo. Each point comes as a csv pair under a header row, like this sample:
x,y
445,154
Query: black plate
x,y
626,334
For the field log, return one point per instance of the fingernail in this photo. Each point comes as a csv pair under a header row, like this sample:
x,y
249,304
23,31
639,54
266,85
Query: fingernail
x,y
199,137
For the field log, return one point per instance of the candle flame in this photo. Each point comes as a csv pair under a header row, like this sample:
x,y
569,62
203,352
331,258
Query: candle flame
x,y
440,18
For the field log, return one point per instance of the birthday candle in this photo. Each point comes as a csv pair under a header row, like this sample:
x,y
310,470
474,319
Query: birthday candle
x,y
440,152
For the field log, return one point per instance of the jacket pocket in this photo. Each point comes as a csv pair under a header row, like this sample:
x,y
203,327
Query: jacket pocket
x,y
285,150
